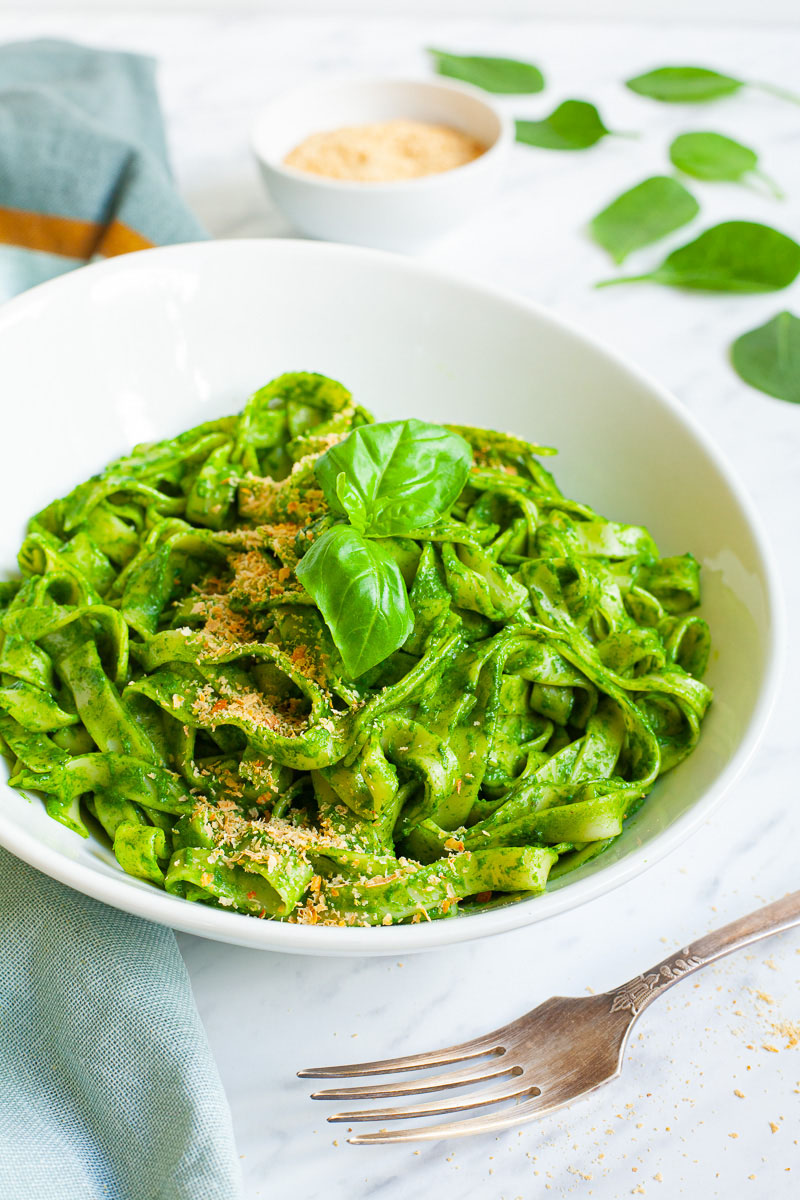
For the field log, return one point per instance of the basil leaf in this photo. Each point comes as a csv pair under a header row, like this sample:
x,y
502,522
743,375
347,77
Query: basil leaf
x,y
768,358
349,501
360,592
714,157
696,85
736,256
395,477
684,85
499,75
642,215
574,125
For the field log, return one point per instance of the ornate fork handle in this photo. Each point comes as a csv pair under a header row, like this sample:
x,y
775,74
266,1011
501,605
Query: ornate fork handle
x,y
637,993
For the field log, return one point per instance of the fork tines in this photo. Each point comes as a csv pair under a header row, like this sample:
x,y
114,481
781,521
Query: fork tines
x,y
495,1069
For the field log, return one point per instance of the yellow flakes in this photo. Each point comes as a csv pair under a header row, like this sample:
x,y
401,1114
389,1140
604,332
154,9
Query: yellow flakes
x,y
789,1030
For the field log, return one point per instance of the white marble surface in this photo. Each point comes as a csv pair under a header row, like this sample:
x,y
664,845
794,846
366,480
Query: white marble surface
x,y
705,1108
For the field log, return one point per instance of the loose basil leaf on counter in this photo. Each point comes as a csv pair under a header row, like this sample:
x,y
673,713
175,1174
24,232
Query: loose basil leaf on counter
x,y
574,125
360,592
696,85
716,158
736,256
643,215
395,476
499,75
768,358
683,85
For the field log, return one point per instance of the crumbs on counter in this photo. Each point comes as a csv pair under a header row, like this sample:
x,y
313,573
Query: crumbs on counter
x,y
782,1028
789,1030
384,151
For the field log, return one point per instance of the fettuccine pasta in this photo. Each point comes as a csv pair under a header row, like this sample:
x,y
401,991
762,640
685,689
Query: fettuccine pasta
x,y
167,682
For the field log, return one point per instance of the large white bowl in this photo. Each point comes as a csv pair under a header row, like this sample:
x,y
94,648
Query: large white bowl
x,y
146,345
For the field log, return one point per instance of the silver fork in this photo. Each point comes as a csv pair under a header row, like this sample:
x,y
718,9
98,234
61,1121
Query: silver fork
x,y
553,1055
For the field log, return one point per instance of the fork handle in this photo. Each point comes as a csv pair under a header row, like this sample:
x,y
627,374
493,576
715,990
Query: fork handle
x,y
636,994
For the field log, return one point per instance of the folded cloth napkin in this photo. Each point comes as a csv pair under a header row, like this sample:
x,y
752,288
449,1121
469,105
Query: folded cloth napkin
x,y
108,1089
83,161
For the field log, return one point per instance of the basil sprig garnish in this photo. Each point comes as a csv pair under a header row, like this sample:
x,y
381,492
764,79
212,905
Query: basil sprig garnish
x,y
358,588
395,476
391,479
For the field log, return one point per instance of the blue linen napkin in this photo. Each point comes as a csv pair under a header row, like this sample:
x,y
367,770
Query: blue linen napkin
x,y
108,1089
83,162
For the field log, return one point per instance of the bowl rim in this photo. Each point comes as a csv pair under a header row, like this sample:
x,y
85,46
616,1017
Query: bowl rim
x,y
490,157
155,905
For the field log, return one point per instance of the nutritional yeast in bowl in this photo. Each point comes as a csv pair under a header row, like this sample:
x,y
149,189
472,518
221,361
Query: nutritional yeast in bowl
x,y
384,151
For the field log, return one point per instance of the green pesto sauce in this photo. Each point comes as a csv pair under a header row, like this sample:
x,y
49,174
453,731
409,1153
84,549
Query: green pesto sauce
x,y
167,683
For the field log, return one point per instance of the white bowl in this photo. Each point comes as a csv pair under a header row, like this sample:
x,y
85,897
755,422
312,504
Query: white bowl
x,y
148,344
404,215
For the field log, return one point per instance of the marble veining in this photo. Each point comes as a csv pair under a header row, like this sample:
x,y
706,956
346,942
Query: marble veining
x,y
708,1104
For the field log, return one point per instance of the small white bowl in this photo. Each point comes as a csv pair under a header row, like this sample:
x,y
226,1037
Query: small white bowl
x,y
403,215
